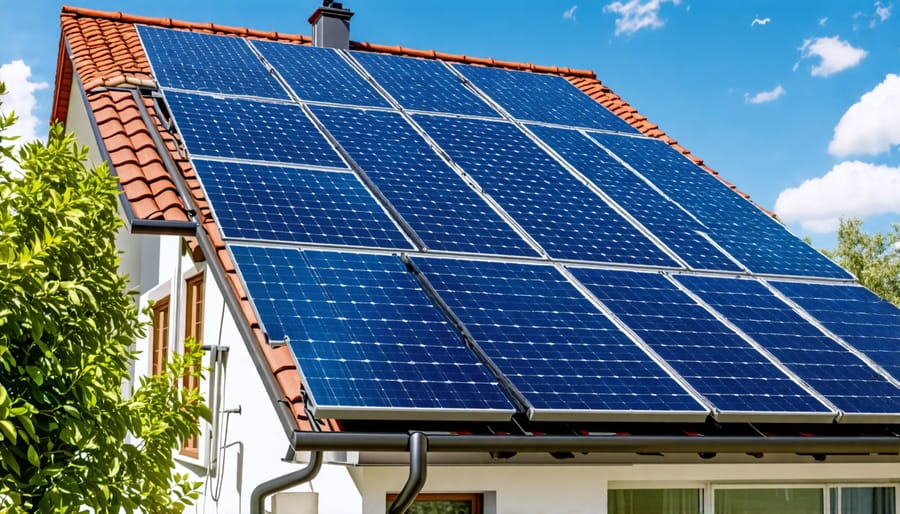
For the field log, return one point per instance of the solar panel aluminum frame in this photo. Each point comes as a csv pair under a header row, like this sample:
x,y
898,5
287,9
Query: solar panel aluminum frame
x,y
368,413
400,413
765,417
467,179
847,417
559,415
641,228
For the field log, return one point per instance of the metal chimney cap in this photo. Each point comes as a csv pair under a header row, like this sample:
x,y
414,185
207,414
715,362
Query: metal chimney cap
x,y
331,10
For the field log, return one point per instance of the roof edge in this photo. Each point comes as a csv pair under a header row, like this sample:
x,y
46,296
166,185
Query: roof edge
x,y
68,10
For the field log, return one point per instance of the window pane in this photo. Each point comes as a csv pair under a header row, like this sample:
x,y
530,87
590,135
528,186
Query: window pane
x,y
653,501
451,503
864,500
769,501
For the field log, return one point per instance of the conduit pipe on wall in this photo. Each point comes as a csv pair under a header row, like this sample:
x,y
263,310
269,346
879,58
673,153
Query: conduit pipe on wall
x,y
294,478
418,472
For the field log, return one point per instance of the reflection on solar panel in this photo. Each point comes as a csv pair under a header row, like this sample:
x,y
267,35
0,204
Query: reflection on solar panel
x,y
820,361
374,341
206,62
538,97
662,217
747,233
566,218
367,339
429,195
423,85
717,362
319,74
854,314
297,205
247,129
558,350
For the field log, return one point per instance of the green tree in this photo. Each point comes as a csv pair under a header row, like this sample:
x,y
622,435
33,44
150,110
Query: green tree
x,y
873,258
70,440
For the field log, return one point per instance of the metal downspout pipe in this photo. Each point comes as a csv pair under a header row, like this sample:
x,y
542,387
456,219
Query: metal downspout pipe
x,y
294,478
418,472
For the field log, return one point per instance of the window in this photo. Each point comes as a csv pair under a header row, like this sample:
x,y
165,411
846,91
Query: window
x,y
654,501
863,500
770,501
193,329
464,503
159,350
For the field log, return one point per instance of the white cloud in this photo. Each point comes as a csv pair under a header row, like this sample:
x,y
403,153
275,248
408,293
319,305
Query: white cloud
x,y
850,189
569,14
882,13
20,98
836,55
635,15
765,96
823,21
871,125
758,21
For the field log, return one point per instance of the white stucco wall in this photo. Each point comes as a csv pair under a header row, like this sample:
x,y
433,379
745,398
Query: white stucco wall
x,y
578,489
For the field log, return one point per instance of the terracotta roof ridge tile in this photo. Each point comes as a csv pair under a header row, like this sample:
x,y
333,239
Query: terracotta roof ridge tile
x,y
71,11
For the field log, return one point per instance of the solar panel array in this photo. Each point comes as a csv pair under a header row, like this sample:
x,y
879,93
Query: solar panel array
x,y
453,242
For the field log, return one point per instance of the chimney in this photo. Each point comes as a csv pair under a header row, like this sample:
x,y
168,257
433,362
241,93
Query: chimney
x,y
331,25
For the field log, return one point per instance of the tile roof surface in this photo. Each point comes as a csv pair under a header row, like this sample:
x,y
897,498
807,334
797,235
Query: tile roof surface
x,y
101,50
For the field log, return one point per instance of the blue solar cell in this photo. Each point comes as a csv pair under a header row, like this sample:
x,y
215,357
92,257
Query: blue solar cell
x,y
365,335
558,350
298,205
565,217
320,74
717,362
540,97
747,233
207,62
431,197
858,316
819,360
248,129
424,85
662,217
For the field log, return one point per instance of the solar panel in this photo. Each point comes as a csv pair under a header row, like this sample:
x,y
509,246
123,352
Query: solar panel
x,y
565,217
747,233
320,74
830,368
424,85
207,62
247,129
662,217
716,361
431,197
856,315
297,205
560,352
540,97
367,340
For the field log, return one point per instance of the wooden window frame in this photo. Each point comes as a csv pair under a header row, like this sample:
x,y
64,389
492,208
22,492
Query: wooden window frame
x,y
476,499
195,299
159,339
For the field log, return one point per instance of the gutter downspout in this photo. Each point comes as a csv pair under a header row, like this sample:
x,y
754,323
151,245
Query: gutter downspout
x,y
418,472
265,489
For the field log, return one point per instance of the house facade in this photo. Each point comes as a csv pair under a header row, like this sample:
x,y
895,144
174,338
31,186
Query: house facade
x,y
275,444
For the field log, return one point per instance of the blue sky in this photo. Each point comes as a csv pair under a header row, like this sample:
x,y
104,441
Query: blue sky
x,y
797,103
